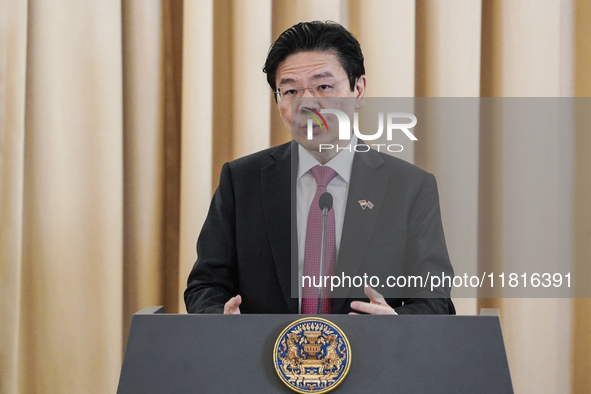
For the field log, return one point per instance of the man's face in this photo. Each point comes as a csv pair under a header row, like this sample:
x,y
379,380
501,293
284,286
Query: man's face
x,y
316,69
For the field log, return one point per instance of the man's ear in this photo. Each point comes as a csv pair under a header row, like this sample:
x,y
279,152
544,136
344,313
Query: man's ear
x,y
360,85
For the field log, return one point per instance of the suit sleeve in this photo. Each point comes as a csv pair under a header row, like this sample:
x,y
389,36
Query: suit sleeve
x,y
427,253
213,279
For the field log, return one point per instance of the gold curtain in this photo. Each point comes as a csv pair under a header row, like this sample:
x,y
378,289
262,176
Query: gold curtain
x,y
116,117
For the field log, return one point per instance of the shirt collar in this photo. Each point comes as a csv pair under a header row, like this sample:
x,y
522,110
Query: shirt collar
x,y
342,163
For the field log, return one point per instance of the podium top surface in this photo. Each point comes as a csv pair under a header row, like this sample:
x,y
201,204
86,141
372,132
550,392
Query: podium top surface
x,y
234,353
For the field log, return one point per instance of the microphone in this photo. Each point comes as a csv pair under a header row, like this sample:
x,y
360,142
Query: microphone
x,y
325,204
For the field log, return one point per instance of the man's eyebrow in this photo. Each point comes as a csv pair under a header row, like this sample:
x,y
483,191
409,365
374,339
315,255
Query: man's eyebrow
x,y
286,80
323,75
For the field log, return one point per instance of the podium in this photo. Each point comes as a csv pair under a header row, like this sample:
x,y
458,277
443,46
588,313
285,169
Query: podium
x,y
169,353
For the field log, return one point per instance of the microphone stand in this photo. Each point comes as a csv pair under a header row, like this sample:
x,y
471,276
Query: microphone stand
x,y
322,260
325,204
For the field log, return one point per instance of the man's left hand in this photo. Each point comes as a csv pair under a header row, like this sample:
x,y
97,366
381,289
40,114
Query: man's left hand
x,y
377,305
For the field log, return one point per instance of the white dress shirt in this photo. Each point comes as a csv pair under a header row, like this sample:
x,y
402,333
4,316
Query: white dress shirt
x,y
342,163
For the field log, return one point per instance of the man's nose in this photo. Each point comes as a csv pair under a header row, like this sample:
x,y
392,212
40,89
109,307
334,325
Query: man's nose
x,y
309,102
308,92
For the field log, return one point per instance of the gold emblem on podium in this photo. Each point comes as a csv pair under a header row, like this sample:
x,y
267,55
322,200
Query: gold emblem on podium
x,y
312,355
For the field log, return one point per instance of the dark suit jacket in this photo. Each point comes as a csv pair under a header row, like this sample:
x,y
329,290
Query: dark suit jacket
x,y
245,246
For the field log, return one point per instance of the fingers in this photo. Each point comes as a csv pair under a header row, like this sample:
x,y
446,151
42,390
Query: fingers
x,y
377,305
374,296
372,309
232,306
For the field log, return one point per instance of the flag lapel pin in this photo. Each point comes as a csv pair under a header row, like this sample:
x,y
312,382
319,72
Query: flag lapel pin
x,y
365,204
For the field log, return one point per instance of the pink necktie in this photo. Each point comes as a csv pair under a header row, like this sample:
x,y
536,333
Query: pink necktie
x,y
323,176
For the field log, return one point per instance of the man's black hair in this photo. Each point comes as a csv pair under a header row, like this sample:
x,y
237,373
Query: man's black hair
x,y
316,36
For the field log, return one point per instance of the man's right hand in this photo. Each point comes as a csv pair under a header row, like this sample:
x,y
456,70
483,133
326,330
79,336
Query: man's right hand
x,y
231,307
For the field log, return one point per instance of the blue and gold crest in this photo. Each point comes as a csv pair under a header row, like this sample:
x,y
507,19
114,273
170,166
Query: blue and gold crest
x,y
312,355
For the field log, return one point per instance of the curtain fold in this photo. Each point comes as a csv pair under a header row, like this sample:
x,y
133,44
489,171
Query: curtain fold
x,y
143,147
529,181
386,32
251,28
72,218
13,65
116,117
448,46
197,130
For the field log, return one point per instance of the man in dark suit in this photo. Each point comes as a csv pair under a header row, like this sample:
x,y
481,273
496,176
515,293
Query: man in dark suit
x,y
253,248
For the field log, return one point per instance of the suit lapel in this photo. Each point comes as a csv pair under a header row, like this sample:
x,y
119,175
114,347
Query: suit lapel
x,y
276,183
366,184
